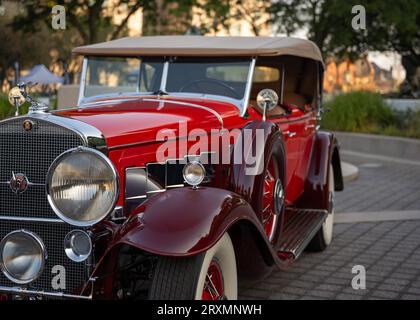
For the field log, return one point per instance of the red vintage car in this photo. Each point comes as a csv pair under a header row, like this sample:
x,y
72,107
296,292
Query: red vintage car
x,y
189,163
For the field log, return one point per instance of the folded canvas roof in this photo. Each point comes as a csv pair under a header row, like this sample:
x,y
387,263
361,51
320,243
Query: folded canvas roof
x,y
203,46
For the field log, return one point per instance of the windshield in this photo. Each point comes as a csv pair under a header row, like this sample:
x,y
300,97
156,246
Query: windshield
x,y
204,76
122,75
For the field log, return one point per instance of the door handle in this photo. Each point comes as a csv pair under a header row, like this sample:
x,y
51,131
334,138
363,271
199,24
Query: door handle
x,y
310,126
290,134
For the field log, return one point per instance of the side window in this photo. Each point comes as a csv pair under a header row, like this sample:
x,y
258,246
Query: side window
x,y
266,74
227,73
265,77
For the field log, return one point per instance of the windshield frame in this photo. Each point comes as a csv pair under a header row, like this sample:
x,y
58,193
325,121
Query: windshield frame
x,y
241,104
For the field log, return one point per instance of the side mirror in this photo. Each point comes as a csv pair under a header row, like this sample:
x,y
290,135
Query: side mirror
x,y
16,98
267,99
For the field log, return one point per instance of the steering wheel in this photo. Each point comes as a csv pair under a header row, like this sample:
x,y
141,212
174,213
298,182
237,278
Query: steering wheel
x,y
212,81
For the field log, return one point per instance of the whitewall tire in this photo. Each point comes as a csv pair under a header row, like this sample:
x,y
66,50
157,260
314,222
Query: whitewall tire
x,y
209,276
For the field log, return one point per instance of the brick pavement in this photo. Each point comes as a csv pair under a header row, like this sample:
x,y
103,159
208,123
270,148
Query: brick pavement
x,y
390,251
380,186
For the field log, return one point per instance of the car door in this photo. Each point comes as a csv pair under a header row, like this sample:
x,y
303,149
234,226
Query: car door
x,y
308,136
292,126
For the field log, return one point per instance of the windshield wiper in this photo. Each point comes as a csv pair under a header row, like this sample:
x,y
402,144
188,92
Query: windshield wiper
x,y
160,92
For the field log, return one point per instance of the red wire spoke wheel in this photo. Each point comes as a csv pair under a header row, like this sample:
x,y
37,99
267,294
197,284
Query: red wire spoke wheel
x,y
213,286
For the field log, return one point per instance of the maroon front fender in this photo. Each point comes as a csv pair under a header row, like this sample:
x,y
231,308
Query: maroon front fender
x,y
184,222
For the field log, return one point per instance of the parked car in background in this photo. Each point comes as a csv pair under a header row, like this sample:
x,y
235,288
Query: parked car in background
x,y
190,163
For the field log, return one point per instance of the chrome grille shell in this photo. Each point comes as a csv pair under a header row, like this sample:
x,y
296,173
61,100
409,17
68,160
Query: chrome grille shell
x,y
31,152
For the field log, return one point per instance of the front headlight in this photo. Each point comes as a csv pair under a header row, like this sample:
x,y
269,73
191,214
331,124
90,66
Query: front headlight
x,y
22,256
194,173
82,186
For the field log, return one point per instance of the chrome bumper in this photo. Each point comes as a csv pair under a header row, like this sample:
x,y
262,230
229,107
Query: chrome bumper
x,y
25,292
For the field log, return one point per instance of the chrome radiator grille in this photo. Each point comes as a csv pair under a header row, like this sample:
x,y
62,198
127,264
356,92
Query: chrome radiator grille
x,y
52,234
30,153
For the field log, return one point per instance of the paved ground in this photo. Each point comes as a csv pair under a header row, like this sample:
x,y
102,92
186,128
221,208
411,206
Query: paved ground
x,y
389,250
381,186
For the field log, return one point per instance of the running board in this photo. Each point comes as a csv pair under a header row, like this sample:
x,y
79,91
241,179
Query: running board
x,y
301,226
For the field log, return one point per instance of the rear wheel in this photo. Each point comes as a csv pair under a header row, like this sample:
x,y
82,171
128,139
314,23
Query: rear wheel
x,y
208,276
324,236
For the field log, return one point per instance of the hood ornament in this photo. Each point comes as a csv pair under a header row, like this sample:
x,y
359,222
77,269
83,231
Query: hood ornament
x,y
18,95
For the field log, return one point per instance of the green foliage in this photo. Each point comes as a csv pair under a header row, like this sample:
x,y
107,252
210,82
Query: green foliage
x,y
366,112
92,19
390,25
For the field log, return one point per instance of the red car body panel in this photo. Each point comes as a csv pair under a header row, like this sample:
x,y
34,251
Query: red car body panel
x,y
171,224
130,128
137,121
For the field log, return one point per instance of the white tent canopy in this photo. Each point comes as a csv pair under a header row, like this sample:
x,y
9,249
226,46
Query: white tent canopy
x,y
40,74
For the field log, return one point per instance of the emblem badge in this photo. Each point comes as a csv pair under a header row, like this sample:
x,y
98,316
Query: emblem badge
x,y
19,183
28,125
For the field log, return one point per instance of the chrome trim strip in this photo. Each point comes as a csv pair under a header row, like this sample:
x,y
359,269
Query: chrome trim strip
x,y
282,83
107,102
111,97
175,186
14,218
82,82
164,76
217,115
245,100
29,183
156,191
23,291
136,197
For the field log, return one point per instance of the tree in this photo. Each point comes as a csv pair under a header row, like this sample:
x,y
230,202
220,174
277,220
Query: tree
x,y
18,47
327,22
396,28
255,13
91,18
167,17
87,21
390,25
216,15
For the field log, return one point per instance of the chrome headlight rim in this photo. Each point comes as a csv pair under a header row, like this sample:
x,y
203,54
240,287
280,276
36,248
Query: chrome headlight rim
x,y
69,248
203,170
43,252
50,172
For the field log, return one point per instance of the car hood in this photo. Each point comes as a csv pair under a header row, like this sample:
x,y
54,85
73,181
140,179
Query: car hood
x,y
132,121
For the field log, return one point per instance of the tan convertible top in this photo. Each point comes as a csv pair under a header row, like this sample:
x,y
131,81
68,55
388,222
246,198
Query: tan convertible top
x,y
203,46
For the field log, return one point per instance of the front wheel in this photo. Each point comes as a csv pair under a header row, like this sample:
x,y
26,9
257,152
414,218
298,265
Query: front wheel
x,y
209,276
